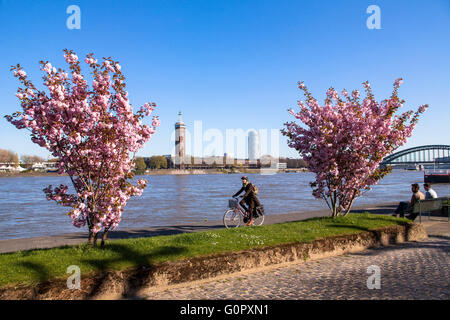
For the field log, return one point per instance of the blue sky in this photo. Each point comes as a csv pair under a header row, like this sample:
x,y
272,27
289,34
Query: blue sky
x,y
235,64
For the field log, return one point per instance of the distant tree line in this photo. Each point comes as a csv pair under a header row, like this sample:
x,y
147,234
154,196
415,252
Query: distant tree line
x,y
7,156
293,163
26,161
154,162
31,159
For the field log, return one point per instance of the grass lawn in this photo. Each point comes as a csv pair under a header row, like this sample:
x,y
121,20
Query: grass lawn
x,y
34,266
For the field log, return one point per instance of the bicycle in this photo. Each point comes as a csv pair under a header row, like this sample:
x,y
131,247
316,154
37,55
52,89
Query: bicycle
x,y
235,215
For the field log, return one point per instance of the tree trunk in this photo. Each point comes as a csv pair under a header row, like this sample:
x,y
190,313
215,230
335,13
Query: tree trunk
x,y
350,205
334,211
334,204
93,238
104,237
348,209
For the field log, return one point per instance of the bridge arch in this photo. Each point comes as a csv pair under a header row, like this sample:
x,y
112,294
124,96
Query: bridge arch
x,y
422,154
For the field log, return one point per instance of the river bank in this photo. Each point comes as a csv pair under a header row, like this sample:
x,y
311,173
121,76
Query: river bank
x,y
147,173
160,172
30,174
27,243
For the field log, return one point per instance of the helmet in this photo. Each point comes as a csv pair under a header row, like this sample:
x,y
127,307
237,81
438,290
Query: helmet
x,y
244,178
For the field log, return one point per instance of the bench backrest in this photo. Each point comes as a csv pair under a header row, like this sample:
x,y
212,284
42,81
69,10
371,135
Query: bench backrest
x,y
429,205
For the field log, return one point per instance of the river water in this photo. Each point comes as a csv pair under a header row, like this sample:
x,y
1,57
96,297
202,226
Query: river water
x,y
181,199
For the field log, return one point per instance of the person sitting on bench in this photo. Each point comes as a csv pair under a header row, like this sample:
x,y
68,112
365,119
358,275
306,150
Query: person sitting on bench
x,y
407,207
430,193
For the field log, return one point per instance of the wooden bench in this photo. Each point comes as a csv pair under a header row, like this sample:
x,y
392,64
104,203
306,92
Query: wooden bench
x,y
430,205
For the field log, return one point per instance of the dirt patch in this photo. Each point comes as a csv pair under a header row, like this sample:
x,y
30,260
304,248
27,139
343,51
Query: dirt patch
x,y
129,283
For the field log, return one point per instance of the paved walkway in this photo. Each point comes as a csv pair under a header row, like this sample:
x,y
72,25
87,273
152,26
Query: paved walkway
x,y
414,270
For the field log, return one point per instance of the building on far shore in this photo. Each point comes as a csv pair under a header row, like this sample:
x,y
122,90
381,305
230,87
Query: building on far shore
x,y
47,166
253,146
181,160
10,167
281,165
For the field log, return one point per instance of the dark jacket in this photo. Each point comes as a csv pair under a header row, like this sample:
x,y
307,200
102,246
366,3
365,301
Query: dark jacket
x,y
249,191
249,198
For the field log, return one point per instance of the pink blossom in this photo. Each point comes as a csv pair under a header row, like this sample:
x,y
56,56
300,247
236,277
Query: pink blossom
x,y
398,82
156,122
344,143
91,134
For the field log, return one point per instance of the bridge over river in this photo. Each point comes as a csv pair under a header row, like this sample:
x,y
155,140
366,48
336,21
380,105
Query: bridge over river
x,y
428,154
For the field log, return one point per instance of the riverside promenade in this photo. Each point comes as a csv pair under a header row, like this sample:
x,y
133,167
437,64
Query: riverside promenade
x,y
11,245
411,270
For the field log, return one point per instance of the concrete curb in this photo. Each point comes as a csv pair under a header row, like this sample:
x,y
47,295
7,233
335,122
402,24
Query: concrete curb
x,y
131,283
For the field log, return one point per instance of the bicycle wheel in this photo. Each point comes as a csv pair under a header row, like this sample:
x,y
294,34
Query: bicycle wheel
x,y
259,220
232,219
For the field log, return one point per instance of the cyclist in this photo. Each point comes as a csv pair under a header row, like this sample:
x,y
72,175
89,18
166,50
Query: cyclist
x,y
248,199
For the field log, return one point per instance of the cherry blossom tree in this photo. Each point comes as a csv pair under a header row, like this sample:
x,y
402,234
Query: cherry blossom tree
x,y
92,132
344,141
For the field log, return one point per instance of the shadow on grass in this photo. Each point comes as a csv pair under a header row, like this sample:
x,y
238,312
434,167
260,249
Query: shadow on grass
x,y
159,231
347,226
142,265
39,271
386,209
389,219
150,232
